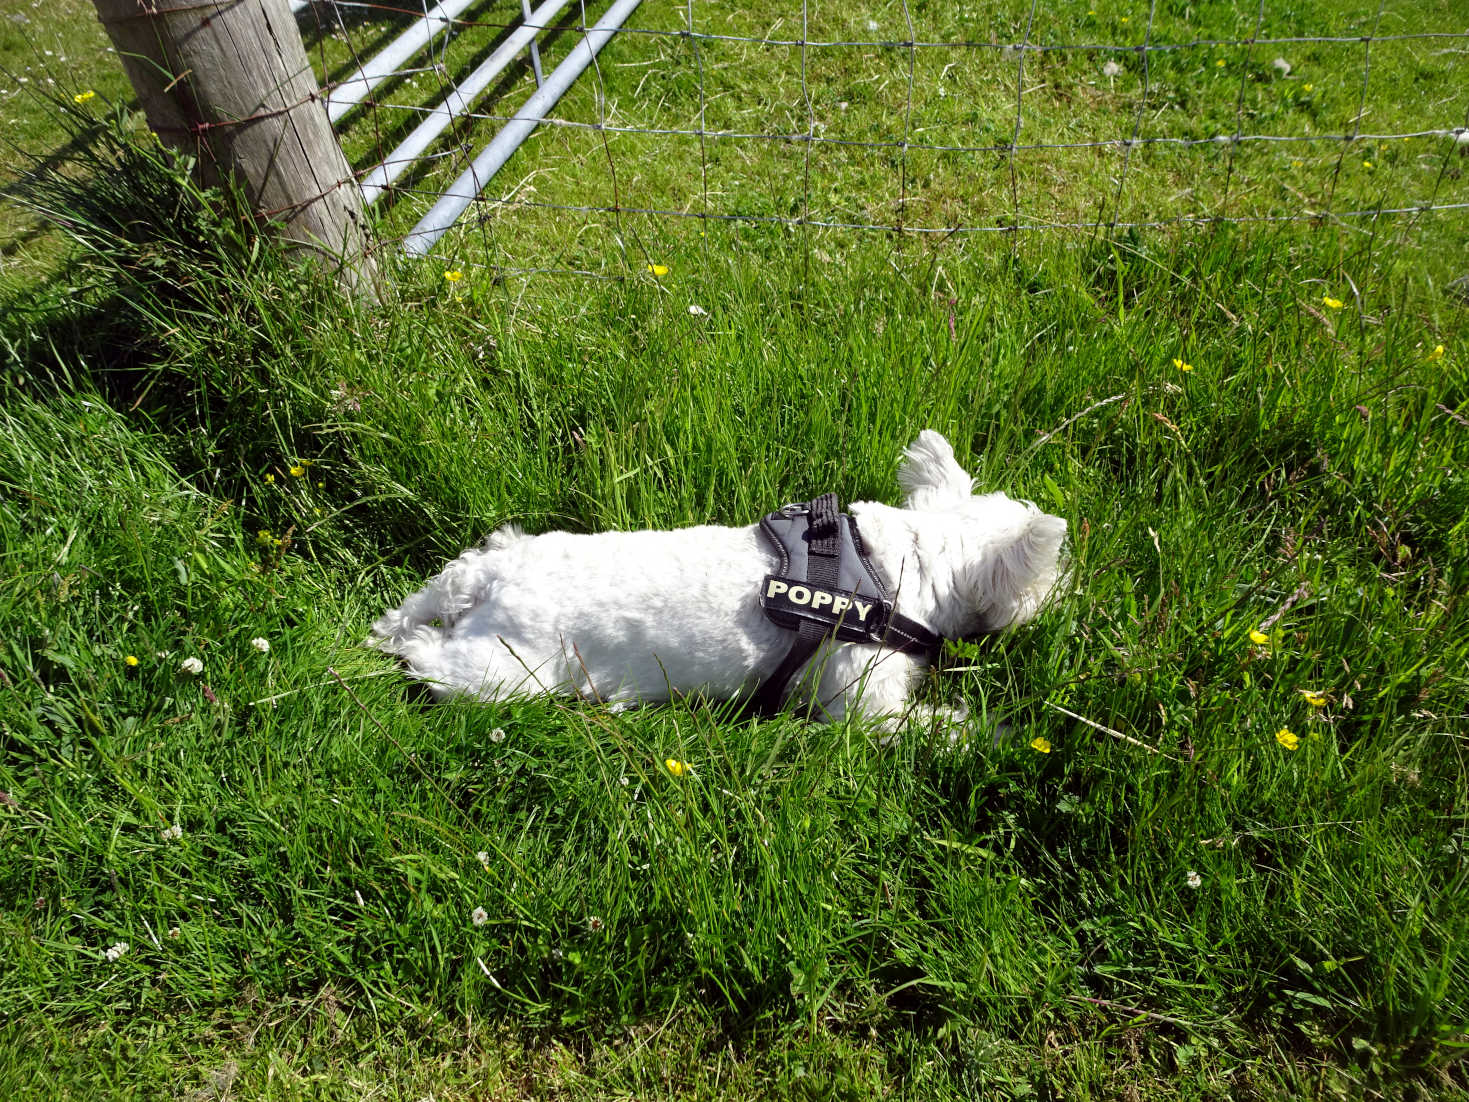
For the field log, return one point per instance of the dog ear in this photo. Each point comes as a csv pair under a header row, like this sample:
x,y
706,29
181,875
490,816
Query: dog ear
x,y
929,475
1012,583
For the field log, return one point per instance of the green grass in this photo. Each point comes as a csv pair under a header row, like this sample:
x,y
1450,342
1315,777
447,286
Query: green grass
x,y
807,915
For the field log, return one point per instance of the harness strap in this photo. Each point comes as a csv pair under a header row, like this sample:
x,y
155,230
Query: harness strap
x,y
823,568
823,539
909,636
771,694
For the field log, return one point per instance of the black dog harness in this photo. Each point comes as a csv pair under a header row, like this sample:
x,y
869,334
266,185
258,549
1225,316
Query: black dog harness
x,y
827,588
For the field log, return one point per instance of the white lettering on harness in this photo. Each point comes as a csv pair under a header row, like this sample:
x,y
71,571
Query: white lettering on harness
x,y
818,598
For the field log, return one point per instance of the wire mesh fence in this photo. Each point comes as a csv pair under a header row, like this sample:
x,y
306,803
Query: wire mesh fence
x,y
752,127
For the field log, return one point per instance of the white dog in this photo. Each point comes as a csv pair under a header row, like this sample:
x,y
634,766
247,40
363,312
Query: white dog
x,y
627,617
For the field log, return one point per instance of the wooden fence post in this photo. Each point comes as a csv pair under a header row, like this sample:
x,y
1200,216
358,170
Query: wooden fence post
x,y
228,81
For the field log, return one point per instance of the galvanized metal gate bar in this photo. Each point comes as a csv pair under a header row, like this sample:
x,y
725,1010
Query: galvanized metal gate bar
x,y
356,88
463,191
458,102
351,92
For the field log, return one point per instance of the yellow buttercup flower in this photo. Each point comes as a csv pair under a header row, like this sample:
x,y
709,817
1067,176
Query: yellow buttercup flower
x,y
658,269
1313,698
297,471
131,660
1308,87
678,768
1331,303
1181,365
83,97
1436,355
1259,638
270,480
1219,64
454,275
1040,744
1286,739
1366,164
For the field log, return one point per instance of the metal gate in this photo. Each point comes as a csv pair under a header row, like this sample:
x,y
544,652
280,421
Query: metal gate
x,y
346,96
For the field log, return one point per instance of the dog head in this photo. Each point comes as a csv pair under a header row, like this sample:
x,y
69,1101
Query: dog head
x,y
1005,555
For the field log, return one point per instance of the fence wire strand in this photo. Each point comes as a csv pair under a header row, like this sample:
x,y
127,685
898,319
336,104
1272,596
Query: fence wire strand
x,y
1015,135
1239,108
693,44
1361,104
902,212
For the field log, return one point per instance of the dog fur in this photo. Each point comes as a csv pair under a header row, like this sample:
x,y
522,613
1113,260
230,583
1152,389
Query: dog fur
x,y
632,617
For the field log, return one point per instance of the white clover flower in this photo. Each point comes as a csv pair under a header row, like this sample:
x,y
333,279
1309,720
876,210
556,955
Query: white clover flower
x,y
484,858
479,916
192,666
1111,69
497,735
1281,66
261,644
171,834
1193,879
117,950
696,310
872,24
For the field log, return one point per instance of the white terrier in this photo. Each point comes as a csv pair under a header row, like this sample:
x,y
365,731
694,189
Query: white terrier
x,y
628,617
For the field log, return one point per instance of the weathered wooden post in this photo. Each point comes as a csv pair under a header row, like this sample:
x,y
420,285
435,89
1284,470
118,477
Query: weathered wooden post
x,y
228,81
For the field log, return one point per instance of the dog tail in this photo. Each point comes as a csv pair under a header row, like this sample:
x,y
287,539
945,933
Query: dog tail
x,y
437,605
1025,572
503,537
